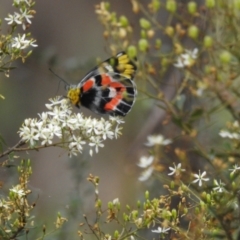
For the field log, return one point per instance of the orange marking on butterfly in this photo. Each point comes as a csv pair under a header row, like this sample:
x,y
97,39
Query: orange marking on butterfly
x,y
88,85
120,89
106,79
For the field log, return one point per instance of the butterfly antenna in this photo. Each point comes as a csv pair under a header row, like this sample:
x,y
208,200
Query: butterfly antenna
x,y
59,77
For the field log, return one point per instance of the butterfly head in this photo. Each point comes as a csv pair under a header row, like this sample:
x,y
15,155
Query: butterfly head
x,y
73,94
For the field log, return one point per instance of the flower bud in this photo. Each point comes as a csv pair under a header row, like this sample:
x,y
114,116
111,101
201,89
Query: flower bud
x,y
236,4
158,43
192,7
144,23
169,31
156,5
116,234
171,6
193,32
225,57
174,213
123,21
207,41
147,194
143,45
132,51
210,3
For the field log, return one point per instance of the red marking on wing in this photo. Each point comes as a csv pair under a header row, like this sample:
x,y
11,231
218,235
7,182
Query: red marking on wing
x,y
106,79
118,86
113,103
117,99
88,85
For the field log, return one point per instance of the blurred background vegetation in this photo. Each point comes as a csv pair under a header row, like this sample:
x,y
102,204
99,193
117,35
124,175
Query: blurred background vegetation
x,y
188,102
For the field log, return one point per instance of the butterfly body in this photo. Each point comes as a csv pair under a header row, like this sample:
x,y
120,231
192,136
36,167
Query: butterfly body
x,y
108,88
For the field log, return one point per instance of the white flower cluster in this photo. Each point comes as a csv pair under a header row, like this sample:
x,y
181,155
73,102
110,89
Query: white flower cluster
x,y
22,18
186,59
21,43
148,162
233,133
73,129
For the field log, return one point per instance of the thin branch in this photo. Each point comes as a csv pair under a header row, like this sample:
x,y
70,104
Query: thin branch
x,y
12,149
17,147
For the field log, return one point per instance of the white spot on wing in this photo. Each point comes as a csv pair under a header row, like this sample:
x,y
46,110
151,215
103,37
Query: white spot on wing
x,y
112,92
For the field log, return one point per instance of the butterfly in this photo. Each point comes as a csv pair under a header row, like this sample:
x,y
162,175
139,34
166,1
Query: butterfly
x,y
108,88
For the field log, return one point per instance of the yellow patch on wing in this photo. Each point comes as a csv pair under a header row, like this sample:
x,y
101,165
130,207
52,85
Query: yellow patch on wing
x,y
125,66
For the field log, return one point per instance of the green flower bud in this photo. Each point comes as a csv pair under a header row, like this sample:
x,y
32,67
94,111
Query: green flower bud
x,y
28,162
204,195
147,194
197,210
164,62
110,205
156,5
116,234
125,217
171,6
208,41
174,213
144,23
123,21
99,203
210,3
132,51
208,198
236,4
192,7
169,31
107,5
143,34
225,57
172,185
193,32
158,43
138,204
143,45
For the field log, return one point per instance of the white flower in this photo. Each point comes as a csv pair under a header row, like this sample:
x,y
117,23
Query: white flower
x,y
14,19
18,191
29,133
21,43
93,126
227,134
186,59
47,136
200,177
26,15
146,174
73,130
117,131
157,140
77,143
144,162
97,142
161,230
176,169
17,2
235,168
117,119
115,201
219,186
106,130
